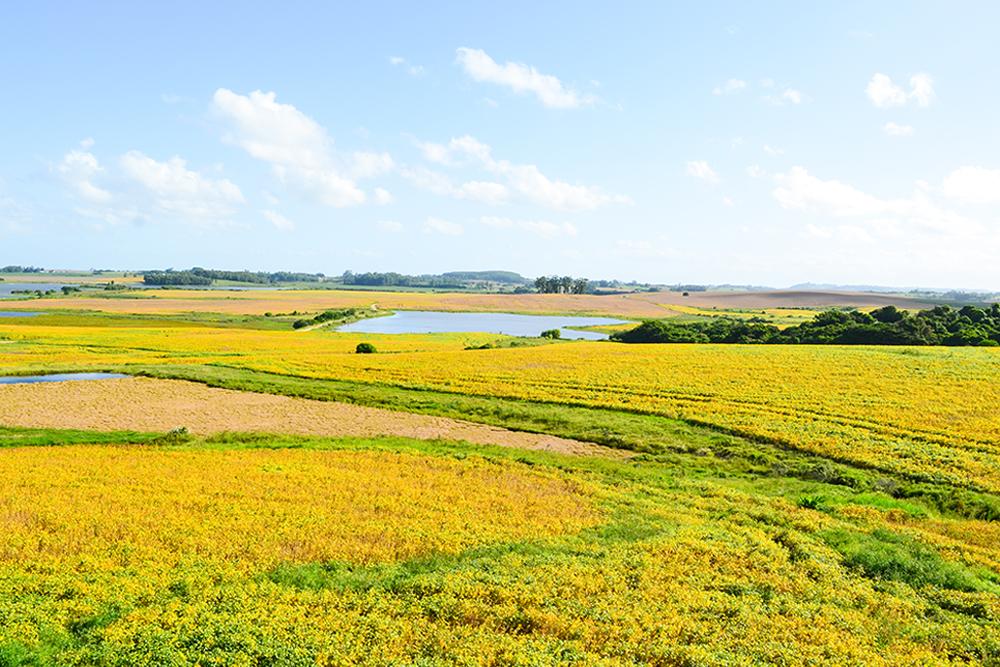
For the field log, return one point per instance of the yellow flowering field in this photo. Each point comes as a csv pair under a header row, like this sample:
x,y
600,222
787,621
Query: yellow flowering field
x,y
260,507
924,412
389,552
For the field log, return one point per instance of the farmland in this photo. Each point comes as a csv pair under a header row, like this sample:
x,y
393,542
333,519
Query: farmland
x,y
266,495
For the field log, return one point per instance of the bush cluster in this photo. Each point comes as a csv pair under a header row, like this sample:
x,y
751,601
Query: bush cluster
x,y
941,325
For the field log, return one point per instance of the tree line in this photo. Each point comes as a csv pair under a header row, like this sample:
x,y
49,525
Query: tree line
x,y
200,276
561,285
941,325
13,268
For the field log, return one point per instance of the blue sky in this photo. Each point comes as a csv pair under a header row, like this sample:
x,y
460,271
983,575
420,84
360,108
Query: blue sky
x,y
764,143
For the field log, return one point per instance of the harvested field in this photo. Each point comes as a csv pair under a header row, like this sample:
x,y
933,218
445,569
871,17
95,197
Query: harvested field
x,y
145,404
786,299
636,305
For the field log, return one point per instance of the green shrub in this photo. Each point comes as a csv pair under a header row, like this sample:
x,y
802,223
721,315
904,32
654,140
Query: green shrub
x,y
365,348
887,556
551,333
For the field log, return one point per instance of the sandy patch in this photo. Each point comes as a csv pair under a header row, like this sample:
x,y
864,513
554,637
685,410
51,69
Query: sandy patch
x,y
146,404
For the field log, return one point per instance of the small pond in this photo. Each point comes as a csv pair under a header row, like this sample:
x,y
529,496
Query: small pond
x,y
426,321
17,313
58,377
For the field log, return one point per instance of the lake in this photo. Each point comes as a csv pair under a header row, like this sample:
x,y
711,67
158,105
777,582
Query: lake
x,y
58,377
7,289
427,321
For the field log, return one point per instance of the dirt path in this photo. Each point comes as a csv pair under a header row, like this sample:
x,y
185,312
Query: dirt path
x,y
146,404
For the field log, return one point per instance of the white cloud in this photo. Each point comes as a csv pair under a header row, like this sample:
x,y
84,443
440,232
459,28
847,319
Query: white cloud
x,y
325,185
922,89
756,171
772,151
543,228
486,192
885,94
459,151
701,169
786,96
526,180
271,131
521,78
270,198
728,202
298,148
730,87
445,227
412,70
383,197
368,165
530,182
79,168
389,226
279,221
791,95
799,190
483,191
973,185
178,190
896,130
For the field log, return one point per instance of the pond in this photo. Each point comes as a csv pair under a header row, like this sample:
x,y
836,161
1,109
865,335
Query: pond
x,y
427,321
17,313
58,377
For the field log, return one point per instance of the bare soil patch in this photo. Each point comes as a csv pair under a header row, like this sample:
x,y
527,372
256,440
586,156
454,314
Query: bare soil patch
x,y
146,404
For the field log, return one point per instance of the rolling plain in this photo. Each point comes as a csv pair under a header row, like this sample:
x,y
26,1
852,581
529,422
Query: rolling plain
x,y
262,495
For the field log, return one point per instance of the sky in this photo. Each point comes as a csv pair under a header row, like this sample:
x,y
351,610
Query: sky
x,y
713,142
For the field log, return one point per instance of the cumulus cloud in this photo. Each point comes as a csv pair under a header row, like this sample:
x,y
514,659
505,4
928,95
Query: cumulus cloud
x,y
973,185
885,94
179,190
279,221
526,180
444,227
701,169
799,190
402,63
730,87
383,196
897,130
298,148
521,79
79,168
543,228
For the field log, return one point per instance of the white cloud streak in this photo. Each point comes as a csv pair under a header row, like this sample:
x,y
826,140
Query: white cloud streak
x,y
521,79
